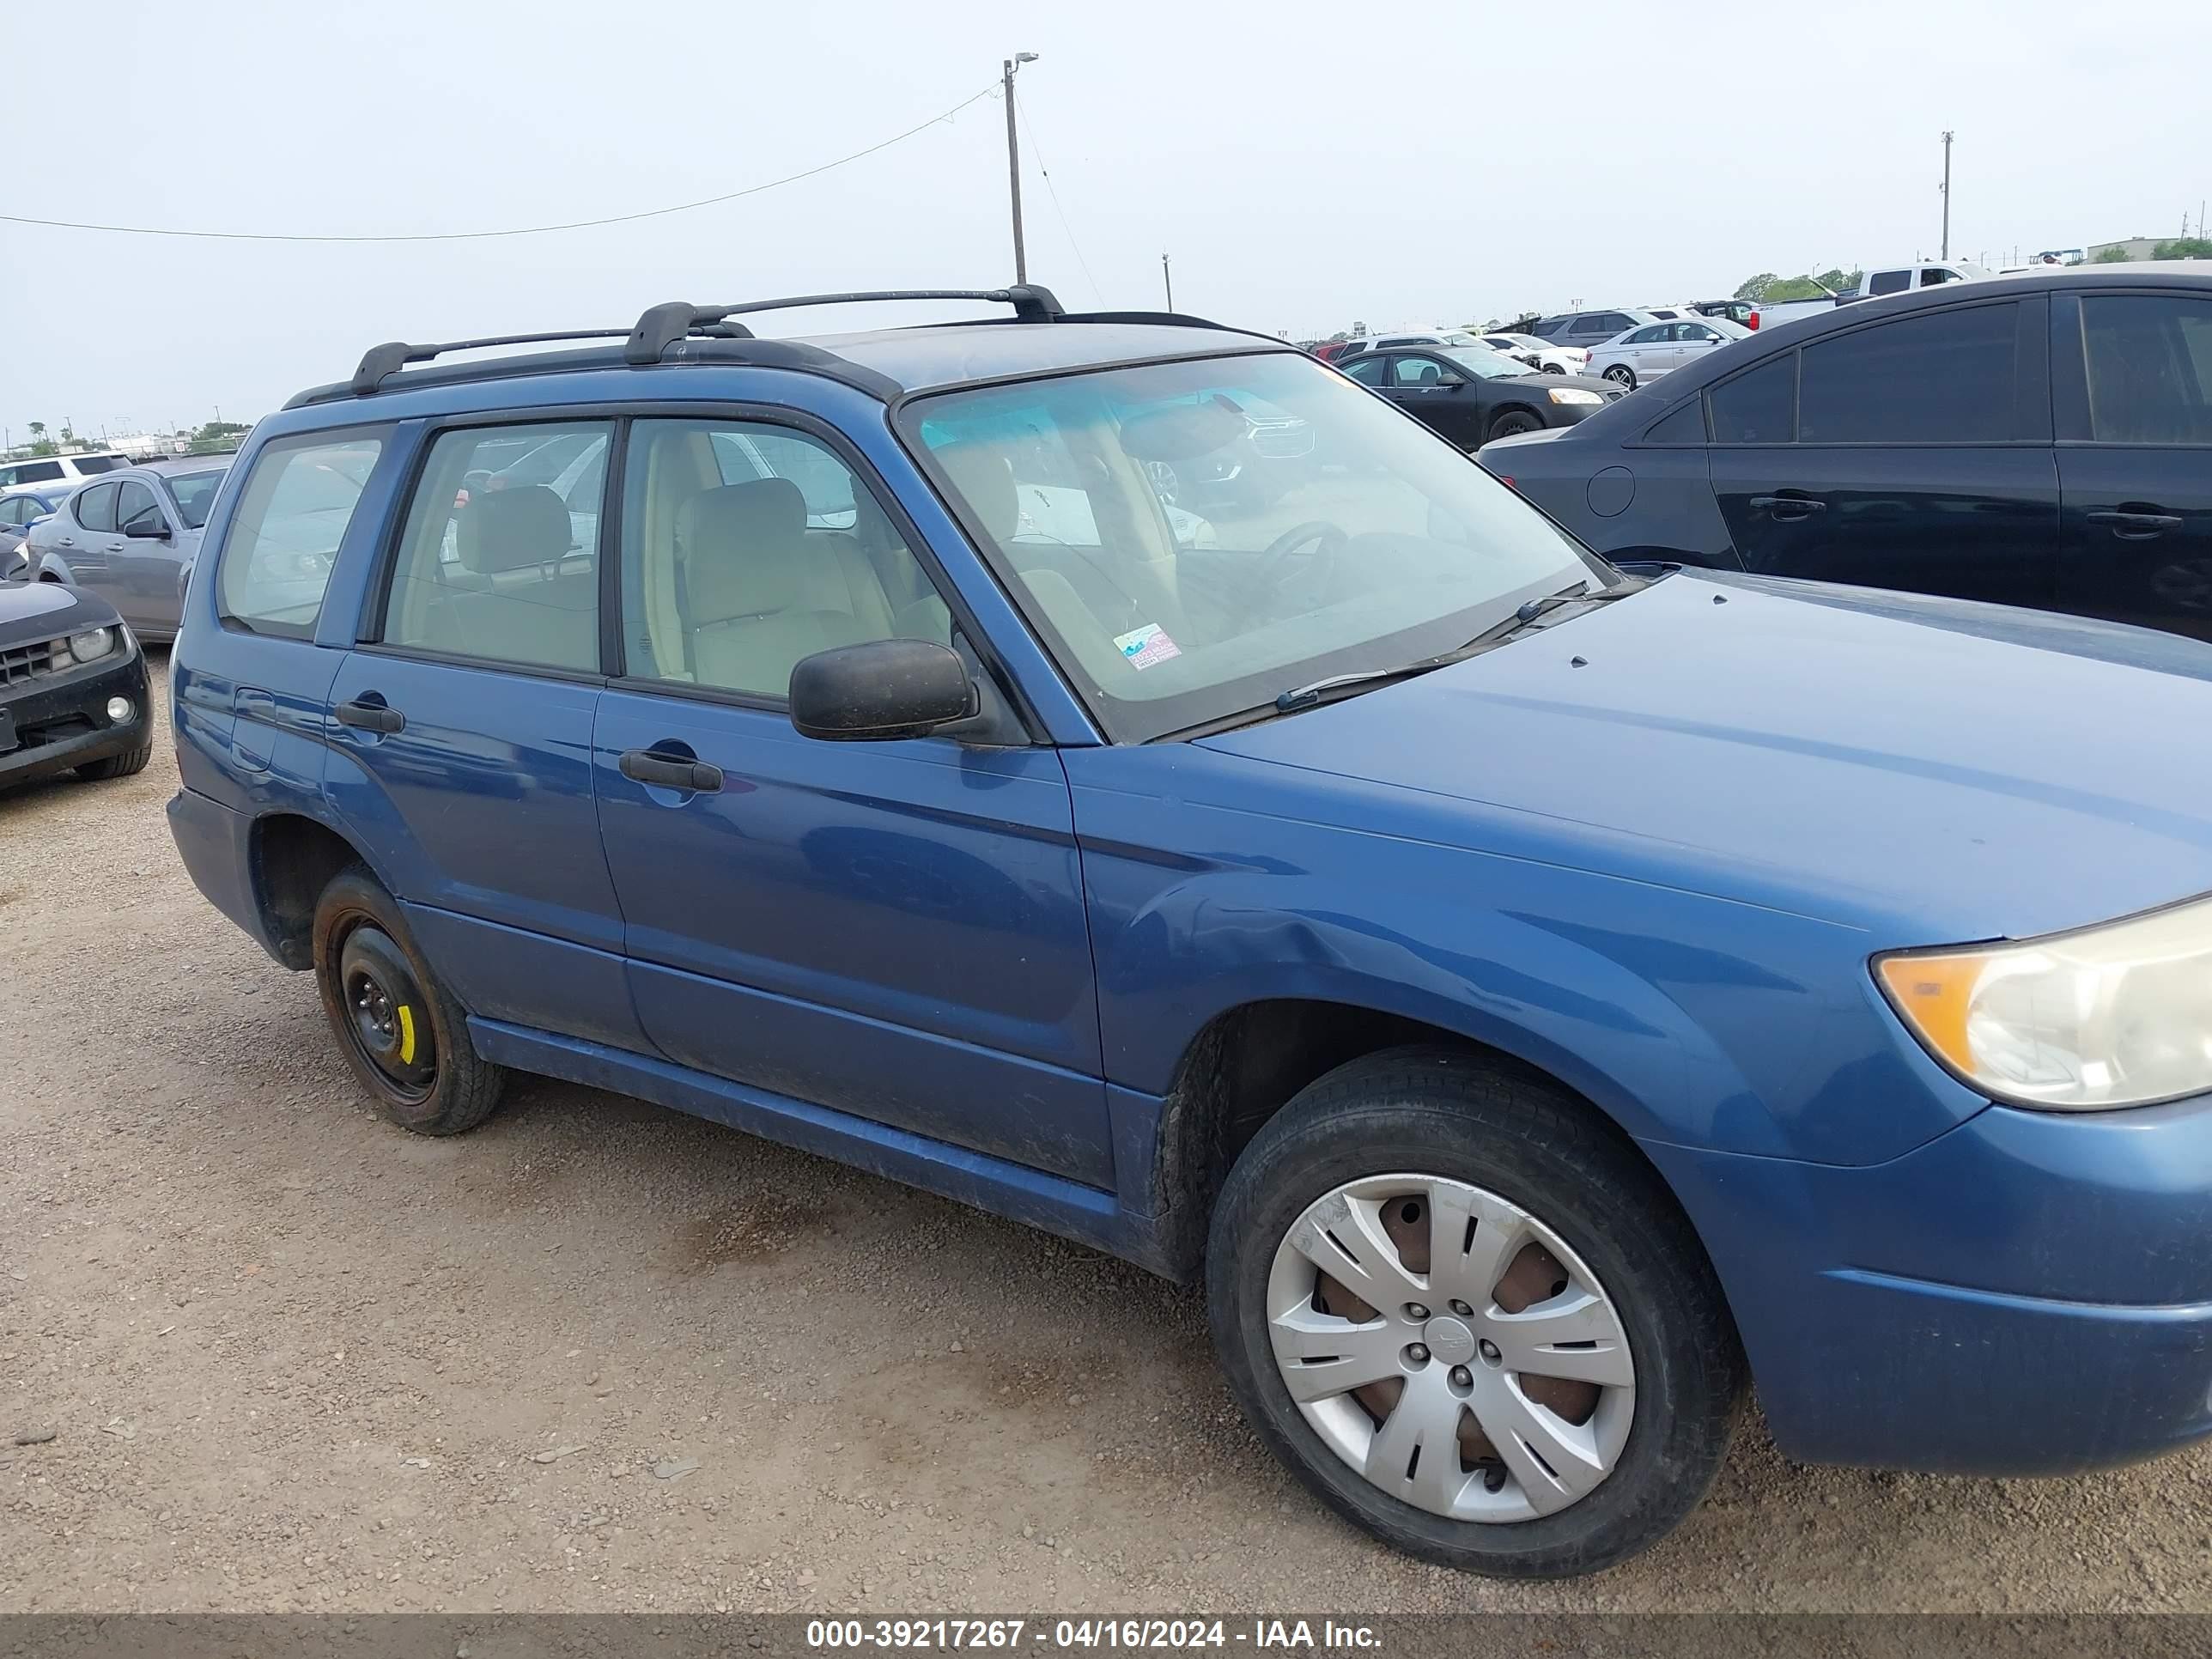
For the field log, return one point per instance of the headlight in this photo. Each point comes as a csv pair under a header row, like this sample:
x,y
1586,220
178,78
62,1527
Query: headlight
x,y
91,645
1569,394
2116,1015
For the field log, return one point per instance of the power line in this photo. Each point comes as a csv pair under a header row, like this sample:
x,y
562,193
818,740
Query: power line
x,y
1053,190
522,230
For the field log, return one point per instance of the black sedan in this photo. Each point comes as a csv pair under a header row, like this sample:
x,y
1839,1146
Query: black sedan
x,y
2040,440
1471,394
73,690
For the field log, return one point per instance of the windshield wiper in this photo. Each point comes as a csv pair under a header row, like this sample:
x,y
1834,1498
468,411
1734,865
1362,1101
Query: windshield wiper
x,y
1314,691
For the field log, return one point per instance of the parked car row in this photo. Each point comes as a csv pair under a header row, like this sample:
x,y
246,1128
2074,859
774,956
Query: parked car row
x,y
2043,439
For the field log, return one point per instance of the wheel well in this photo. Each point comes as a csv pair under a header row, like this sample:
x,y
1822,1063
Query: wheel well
x,y
294,860
1246,1065
1501,412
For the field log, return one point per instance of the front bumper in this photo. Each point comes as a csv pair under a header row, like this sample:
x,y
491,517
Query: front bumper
x,y
61,720
2028,1294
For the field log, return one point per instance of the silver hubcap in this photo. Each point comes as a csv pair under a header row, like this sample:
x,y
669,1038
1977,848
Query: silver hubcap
x,y
1450,1347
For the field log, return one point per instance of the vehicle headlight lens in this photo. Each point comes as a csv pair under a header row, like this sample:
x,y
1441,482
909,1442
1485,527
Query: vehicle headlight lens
x,y
1571,394
2118,1015
91,645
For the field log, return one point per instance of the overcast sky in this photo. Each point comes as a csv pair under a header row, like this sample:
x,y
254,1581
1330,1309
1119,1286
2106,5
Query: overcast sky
x,y
1306,164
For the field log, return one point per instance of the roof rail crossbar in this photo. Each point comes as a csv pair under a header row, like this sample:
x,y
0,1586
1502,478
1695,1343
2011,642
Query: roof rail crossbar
x,y
664,325
381,361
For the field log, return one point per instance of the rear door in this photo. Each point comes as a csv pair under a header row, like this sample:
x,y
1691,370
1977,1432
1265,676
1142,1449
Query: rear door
x,y
88,540
1913,452
895,931
461,742
2132,394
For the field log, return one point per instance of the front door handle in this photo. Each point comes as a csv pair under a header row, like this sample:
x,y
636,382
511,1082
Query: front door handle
x,y
1790,507
670,771
370,717
65,541
2136,526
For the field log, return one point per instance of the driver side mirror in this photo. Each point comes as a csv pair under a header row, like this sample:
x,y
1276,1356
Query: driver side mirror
x,y
880,691
145,529
1452,383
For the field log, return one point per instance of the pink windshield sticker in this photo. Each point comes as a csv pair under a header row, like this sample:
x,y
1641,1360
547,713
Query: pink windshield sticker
x,y
1145,646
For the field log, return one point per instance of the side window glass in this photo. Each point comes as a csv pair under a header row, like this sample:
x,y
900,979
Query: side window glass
x,y
746,548
1943,376
499,561
1651,335
1686,425
2150,367
1755,407
284,536
1935,274
1417,371
136,510
1366,369
39,473
94,509
1889,281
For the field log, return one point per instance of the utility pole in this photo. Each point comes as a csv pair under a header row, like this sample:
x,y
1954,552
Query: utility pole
x,y
1946,253
1168,277
1014,162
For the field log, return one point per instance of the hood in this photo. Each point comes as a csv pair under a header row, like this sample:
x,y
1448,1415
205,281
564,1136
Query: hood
x,y
1543,381
30,611
1934,771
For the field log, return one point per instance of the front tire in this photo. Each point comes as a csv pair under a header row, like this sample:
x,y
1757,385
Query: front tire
x,y
129,763
1513,421
1471,1319
398,1027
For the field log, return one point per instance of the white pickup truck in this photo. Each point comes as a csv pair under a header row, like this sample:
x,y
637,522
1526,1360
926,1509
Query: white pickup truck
x,y
1873,284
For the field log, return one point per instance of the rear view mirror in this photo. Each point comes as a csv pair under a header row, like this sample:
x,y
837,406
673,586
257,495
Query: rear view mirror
x,y
882,690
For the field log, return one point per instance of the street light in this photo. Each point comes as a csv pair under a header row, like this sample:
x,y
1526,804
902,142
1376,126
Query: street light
x,y
1014,161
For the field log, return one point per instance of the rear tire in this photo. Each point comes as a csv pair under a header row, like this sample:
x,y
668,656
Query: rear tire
x,y
1527,1147
1622,375
398,1026
127,764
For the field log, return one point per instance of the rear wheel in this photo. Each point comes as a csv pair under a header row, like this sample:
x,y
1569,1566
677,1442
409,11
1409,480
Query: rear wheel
x,y
1622,375
1513,421
1471,1320
400,1030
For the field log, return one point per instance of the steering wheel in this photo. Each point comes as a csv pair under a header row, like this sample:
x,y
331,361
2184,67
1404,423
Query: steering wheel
x,y
1281,554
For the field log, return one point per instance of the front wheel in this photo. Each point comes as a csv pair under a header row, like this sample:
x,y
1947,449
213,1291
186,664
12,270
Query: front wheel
x,y
1471,1319
400,1030
1622,375
1513,421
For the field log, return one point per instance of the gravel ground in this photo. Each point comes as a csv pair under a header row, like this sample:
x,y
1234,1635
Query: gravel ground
x,y
597,1356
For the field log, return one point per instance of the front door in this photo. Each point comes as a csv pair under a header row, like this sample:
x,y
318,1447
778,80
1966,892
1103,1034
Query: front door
x,y
2134,458
144,559
891,930
1920,457
1441,394
461,743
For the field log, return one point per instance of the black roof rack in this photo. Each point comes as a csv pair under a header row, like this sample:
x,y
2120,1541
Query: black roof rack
x,y
664,325
720,340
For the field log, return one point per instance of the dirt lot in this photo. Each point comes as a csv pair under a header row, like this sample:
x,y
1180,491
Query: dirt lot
x,y
292,1359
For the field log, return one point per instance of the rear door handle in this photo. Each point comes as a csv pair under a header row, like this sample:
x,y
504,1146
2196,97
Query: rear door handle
x,y
670,771
370,717
2135,526
1790,507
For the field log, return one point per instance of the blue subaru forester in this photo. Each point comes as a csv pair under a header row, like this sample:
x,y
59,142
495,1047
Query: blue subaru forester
x,y
1116,771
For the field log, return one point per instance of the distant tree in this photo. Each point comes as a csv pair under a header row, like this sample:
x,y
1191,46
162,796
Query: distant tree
x,y
214,429
1790,288
1839,281
2114,255
45,447
38,430
1337,338
2183,247
67,436
1754,288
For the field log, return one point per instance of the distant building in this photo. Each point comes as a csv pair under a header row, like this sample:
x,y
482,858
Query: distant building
x,y
2135,247
147,444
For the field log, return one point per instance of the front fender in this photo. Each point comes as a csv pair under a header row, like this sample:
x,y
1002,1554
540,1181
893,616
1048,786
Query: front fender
x,y
1691,1020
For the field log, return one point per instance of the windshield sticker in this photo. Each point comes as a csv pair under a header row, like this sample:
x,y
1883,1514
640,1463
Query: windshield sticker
x,y
1145,646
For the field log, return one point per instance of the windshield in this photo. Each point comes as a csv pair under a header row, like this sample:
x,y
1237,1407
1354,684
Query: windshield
x,y
1726,330
1490,365
194,494
1193,539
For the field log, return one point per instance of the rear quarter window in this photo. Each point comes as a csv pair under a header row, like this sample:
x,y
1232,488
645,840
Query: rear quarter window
x,y
283,539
